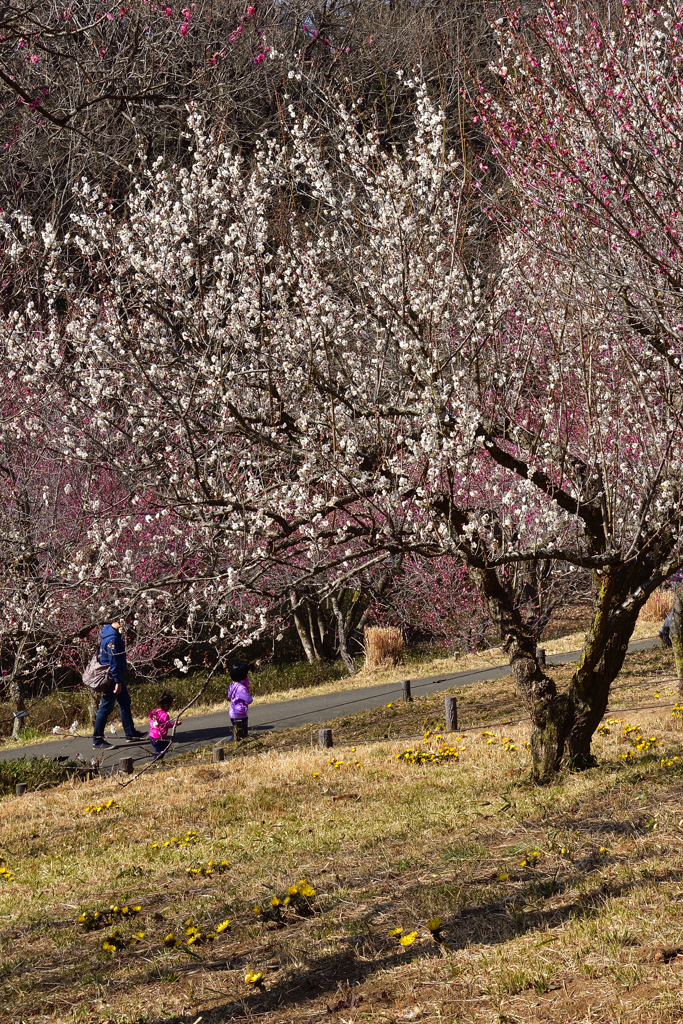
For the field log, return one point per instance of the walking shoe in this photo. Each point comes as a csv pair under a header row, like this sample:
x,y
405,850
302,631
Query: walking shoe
x,y
136,737
102,745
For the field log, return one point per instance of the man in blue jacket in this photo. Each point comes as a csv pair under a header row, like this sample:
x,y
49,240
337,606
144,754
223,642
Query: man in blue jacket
x,y
113,653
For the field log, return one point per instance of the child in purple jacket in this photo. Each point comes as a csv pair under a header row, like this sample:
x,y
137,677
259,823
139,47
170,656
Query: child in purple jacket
x,y
239,695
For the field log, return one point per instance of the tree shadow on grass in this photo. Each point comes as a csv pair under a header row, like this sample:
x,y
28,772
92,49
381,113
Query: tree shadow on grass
x,y
492,923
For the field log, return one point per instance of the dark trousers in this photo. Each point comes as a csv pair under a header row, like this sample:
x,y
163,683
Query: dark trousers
x,y
109,699
160,746
240,728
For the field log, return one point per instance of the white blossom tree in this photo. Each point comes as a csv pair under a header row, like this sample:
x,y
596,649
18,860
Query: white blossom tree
x,y
320,361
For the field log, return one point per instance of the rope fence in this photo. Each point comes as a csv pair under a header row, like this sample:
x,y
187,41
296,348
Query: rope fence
x,y
104,764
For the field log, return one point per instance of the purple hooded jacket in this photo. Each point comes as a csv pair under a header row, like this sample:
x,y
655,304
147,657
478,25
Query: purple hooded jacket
x,y
240,698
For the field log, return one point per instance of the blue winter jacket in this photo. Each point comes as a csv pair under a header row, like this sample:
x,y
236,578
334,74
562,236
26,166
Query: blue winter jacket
x,y
113,652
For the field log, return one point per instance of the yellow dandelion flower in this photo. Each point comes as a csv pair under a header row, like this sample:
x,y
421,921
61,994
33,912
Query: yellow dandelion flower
x,y
170,940
307,890
253,977
293,890
258,910
503,876
523,863
390,705
223,926
396,931
286,900
564,851
274,902
316,775
603,849
409,939
139,935
434,924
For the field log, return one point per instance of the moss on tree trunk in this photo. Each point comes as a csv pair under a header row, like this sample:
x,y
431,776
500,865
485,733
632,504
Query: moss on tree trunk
x,y
600,663
676,636
550,711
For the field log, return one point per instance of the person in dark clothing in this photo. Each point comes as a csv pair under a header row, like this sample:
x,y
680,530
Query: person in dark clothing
x,y
112,652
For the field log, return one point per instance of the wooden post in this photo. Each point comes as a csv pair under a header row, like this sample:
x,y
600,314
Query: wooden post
x,y
406,691
324,737
126,765
451,714
218,754
20,788
540,656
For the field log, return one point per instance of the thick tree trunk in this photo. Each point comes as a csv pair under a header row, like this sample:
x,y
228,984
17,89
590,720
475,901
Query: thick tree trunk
x,y
551,712
568,721
312,627
343,637
676,636
302,630
601,661
19,706
16,693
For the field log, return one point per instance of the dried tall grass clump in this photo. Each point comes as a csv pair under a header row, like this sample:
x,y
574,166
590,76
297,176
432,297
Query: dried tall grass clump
x,y
657,606
383,646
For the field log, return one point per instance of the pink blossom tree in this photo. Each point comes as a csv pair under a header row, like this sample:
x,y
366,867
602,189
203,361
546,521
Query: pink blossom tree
x,y
585,126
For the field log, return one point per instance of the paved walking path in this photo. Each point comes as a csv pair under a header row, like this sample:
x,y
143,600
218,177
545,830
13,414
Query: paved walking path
x,y
209,730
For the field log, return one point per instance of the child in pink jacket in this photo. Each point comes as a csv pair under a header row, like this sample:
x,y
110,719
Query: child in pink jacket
x,y
160,723
239,695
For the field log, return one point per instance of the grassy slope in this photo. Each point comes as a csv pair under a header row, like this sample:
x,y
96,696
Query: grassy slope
x,y
586,934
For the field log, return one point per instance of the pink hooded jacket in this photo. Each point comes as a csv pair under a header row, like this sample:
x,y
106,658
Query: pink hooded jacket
x,y
159,724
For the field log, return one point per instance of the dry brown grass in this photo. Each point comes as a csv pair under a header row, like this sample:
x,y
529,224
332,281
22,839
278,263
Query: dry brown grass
x,y
657,606
589,934
383,646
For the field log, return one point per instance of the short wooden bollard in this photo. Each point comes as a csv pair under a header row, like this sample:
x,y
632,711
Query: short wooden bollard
x,y
407,696
126,765
218,754
324,737
20,788
451,714
540,655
